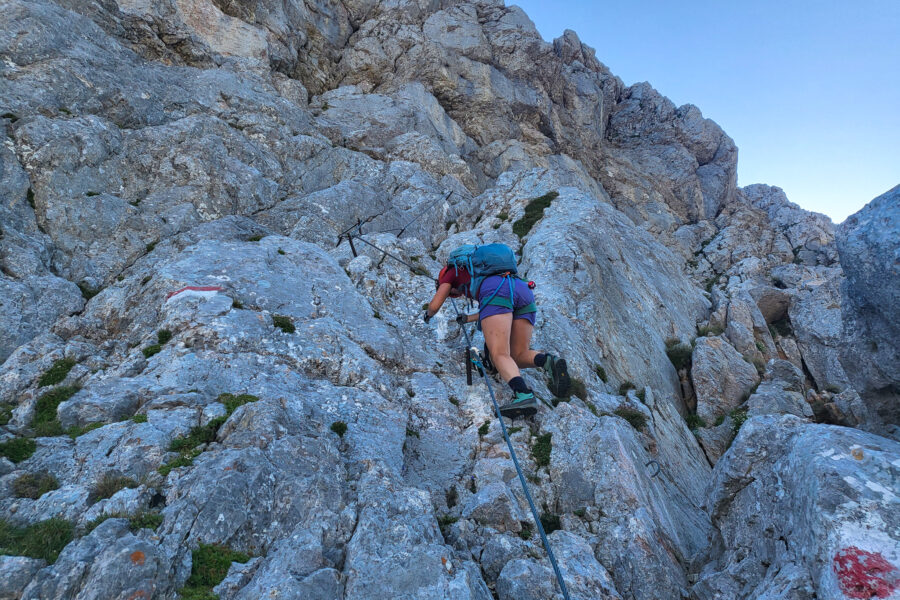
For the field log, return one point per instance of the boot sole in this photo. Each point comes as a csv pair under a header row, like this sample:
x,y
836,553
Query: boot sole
x,y
514,412
560,383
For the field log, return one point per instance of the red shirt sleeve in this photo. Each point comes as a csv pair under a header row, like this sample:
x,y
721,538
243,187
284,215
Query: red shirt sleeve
x,y
457,278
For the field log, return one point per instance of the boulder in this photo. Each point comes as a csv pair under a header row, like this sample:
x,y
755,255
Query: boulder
x,y
722,379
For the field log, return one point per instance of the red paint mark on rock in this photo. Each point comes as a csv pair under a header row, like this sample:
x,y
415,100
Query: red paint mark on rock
x,y
137,557
197,289
864,575
138,594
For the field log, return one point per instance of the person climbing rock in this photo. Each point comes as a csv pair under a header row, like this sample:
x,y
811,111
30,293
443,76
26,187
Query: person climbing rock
x,y
506,316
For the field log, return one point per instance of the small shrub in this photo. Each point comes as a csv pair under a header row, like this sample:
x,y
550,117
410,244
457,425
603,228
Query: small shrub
x,y
87,291
782,327
446,521
48,429
17,449
550,522
541,450
197,436
679,354
232,402
410,432
641,394
454,401
601,373
30,197
76,430
634,417
109,485
34,485
339,427
146,280
209,565
151,246
45,409
580,513
139,418
41,540
185,460
163,336
760,346
708,330
254,238
151,350
145,520
485,427
57,373
283,323
738,417
513,430
623,389
235,303
719,420
6,411
377,315
834,389
695,421
534,210
282,252
577,388
592,407
525,533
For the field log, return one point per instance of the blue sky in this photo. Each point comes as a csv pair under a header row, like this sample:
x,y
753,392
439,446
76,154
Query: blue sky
x,y
809,90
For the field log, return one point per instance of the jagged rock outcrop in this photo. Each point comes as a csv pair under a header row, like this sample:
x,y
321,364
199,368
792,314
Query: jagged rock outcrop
x,y
190,355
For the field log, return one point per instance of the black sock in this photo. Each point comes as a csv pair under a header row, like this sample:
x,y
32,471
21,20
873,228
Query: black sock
x,y
540,359
517,384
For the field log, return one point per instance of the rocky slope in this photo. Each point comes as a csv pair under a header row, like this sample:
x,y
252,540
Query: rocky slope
x,y
195,372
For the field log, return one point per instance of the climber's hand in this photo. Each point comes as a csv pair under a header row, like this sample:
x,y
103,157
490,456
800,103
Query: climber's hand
x,y
426,317
462,319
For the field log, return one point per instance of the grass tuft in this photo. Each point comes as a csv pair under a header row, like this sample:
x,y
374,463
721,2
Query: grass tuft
x,y
550,522
592,407
139,418
57,373
485,427
339,427
41,540
601,373
525,533
237,304
577,388
635,418
232,402
694,421
109,485
151,350
209,566
45,422
6,411
541,449
738,417
163,336
254,238
87,291
18,449
623,389
534,210
708,330
679,354
284,323
34,485
76,431
30,197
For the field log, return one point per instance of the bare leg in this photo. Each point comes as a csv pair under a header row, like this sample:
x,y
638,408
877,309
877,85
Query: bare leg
x,y
496,329
520,343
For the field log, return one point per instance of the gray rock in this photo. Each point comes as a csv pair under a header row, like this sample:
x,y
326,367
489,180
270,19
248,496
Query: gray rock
x,y
867,242
722,378
524,579
821,497
16,572
494,506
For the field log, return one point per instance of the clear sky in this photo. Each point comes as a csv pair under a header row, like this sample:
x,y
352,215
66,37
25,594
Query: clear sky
x,y
808,89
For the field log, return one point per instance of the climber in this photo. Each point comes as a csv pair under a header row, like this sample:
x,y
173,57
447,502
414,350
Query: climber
x,y
506,317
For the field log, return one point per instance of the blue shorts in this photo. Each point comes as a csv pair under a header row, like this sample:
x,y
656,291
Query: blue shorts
x,y
523,306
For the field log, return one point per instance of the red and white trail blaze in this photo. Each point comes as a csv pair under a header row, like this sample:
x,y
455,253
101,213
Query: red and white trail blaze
x,y
865,575
203,291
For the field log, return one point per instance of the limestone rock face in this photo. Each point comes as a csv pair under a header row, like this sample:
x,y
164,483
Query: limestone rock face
x,y
867,242
194,352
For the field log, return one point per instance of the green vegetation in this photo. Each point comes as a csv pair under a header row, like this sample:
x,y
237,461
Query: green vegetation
x,y
282,252
781,327
641,394
541,449
452,496
232,402
410,432
550,522
592,407
41,540
623,389
141,520
140,418
76,430
254,238
198,435
6,413
185,460
601,373
92,194
577,388
580,513
87,291
738,417
485,427
695,421
17,449
513,430
534,210
163,336
45,422
34,485
454,401
30,197
708,330
57,372
446,521
235,303
679,353
109,485
719,420
834,389
377,315
209,565
12,118
151,350
760,346
339,427
525,533
151,246
634,417
284,323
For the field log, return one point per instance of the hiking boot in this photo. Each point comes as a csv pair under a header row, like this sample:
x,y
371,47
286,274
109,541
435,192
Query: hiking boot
x,y
523,405
559,376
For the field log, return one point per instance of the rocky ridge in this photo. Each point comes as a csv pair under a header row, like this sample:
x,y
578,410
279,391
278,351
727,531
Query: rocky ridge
x,y
173,181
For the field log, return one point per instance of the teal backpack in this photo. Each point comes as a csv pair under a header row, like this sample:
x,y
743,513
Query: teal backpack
x,y
482,262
